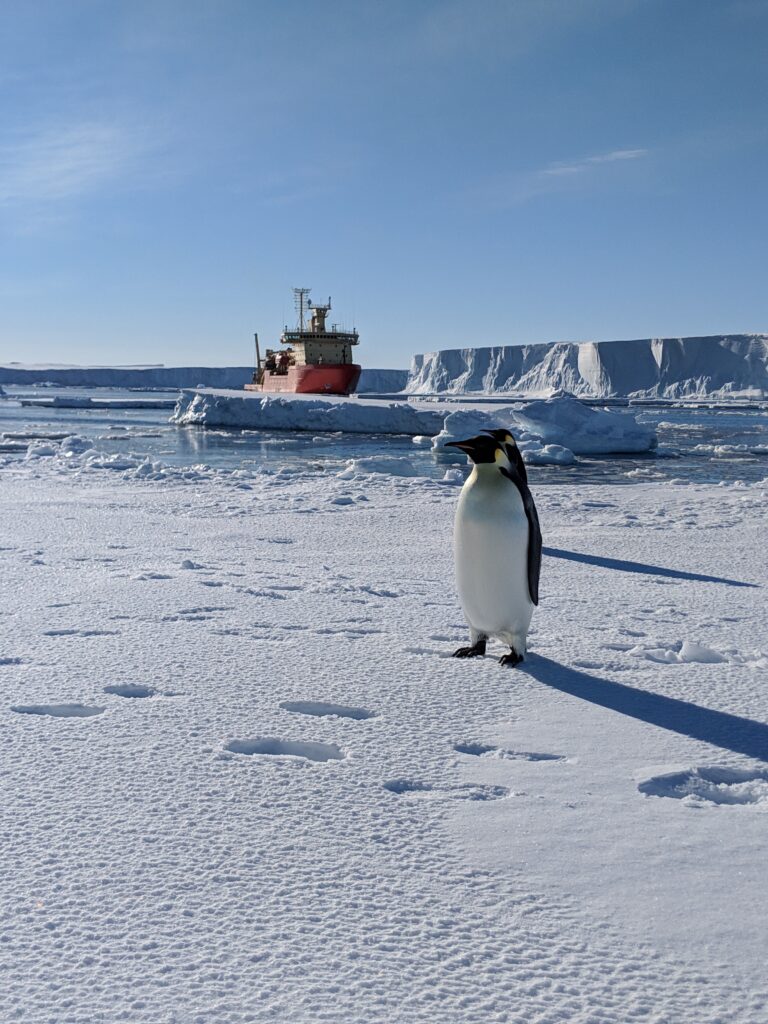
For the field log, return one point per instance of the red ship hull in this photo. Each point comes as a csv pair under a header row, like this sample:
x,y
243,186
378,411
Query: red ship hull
x,y
313,379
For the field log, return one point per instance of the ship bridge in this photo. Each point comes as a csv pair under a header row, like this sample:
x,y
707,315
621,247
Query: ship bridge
x,y
315,343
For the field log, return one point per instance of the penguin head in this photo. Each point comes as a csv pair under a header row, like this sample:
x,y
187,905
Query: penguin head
x,y
502,435
481,449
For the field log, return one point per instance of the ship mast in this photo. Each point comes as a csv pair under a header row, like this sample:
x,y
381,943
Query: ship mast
x,y
301,301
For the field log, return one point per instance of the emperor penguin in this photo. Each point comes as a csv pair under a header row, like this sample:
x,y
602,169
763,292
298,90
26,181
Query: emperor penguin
x,y
497,549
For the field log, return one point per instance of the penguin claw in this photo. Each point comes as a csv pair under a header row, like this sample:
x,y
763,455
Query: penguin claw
x,y
512,659
470,652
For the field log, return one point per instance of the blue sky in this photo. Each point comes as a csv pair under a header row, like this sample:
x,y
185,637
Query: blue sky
x,y
452,173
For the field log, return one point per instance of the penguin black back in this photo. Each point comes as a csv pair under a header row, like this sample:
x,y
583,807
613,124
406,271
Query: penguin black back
x,y
534,531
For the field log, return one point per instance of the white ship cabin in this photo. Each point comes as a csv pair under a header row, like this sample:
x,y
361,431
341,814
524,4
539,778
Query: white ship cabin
x,y
315,344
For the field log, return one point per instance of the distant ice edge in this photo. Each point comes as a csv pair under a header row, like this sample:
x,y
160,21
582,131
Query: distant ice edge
x,y
650,367
170,377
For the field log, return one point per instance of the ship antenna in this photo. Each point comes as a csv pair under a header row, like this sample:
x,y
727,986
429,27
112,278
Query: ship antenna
x,y
301,300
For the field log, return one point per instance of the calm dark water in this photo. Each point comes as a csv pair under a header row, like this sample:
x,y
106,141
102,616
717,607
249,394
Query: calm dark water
x,y
688,439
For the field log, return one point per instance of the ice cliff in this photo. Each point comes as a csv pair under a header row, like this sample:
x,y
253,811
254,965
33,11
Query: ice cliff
x,y
381,382
651,367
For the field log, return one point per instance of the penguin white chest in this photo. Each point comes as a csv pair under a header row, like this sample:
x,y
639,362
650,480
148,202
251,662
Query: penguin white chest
x,y
491,552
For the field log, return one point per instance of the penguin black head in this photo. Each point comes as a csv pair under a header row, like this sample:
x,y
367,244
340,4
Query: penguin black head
x,y
481,449
503,435
506,441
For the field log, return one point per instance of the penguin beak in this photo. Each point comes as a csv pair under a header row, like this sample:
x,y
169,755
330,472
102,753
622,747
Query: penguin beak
x,y
465,446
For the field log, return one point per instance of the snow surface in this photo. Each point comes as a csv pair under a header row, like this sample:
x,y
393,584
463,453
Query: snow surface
x,y
651,367
244,781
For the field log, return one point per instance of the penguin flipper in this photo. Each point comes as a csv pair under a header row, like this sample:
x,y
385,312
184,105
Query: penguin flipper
x,y
516,458
534,532
534,546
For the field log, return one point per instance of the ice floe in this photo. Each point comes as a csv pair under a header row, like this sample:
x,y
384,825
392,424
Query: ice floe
x,y
216,408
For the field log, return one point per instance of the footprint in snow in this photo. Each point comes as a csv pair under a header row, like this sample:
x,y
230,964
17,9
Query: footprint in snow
x,y
82,632
200,614
321,709
130,690
58,710
460,791
351,633
427,650
269,747
485,750
379,592
706,786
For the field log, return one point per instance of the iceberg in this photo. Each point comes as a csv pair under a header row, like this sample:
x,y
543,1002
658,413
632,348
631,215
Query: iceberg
x,y
646,368
564,420
252,409
554,431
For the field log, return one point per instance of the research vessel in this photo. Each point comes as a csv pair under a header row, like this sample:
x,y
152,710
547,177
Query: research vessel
x,y
314,359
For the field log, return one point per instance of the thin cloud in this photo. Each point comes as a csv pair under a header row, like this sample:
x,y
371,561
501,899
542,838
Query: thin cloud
x,y
581,166
557,177
55,164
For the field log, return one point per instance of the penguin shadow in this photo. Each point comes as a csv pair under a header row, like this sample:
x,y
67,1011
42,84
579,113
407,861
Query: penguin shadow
x,y
641,567
730,732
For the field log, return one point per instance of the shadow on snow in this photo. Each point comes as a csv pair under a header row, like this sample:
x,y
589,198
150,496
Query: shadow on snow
x,y
641,567
731,732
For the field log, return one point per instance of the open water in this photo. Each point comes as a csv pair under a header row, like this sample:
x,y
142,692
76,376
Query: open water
x,y
697,445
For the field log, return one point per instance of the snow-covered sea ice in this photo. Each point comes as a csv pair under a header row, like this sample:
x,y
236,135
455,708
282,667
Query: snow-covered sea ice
x,y
244,780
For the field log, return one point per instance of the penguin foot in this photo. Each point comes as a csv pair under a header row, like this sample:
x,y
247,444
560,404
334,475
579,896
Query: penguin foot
x,y
513,658
477,650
